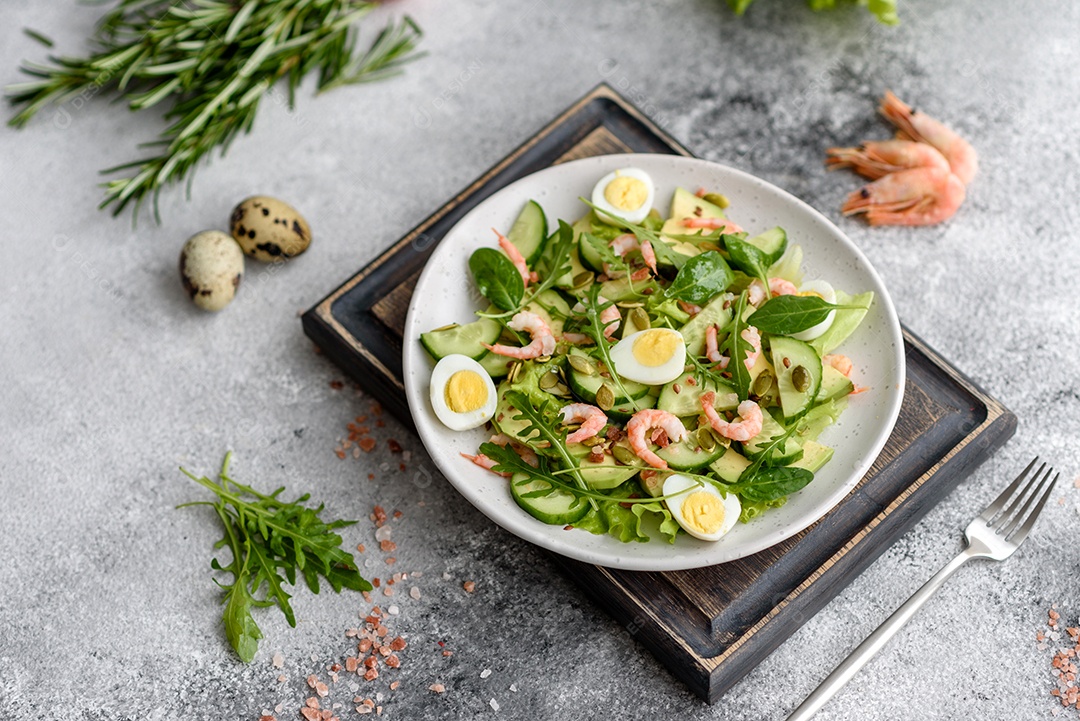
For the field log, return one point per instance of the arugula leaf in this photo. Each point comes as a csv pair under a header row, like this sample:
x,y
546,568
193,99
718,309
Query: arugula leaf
x,y
607,255
748,257
770,484
496,278
736,349
663,251
787,314
269,541
702,277
595,329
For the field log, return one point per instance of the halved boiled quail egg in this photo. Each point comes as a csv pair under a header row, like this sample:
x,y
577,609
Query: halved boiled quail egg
x,y
824,290
626,194
701,510
462,393
652,357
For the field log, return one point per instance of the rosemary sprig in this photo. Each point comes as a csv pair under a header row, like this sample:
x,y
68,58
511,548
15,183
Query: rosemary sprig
x,y
215,60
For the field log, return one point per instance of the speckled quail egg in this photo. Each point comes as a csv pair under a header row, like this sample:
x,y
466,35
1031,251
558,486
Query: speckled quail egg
x,y
653,356
462,393
211,267
269,229
701,510
627,193
824,290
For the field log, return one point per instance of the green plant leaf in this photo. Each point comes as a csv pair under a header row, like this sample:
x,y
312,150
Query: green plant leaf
x,y
496,278
787,314
770,484
701,278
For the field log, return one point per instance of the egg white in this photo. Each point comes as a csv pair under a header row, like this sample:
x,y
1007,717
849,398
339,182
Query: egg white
x,y
681,487
828,294
628,367
631,216
440,376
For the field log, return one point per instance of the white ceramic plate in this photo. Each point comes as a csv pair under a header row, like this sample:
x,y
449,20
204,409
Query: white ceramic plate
x,y
445,294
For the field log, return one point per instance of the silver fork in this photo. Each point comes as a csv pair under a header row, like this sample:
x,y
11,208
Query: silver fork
x,y
995,534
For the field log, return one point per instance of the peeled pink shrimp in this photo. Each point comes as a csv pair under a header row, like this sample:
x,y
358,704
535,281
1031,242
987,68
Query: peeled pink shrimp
x,y
913,125
516,258
751,335
577,338
628,242
742,430
484,462
691,308
840,362
921,196
643,421
877,158
543,342
712,349
728,226
777,286
591,418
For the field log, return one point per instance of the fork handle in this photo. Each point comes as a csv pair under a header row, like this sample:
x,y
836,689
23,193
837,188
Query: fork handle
x,y
876,641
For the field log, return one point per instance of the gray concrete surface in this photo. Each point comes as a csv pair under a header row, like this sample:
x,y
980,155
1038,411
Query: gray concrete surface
x,y
111,379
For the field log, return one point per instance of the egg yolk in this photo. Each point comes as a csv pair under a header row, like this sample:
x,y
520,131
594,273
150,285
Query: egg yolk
x,y
655,348
465,392
703,512
810,294
626,193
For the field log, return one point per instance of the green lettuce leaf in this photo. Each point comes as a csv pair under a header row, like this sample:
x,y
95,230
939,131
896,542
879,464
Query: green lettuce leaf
x,y
625,523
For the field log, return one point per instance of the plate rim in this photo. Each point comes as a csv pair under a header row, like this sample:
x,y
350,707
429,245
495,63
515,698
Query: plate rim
x,y
541,535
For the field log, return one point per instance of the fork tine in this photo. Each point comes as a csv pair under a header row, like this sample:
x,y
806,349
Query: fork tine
x,y
1026,496
999,502
1011,518
1020,534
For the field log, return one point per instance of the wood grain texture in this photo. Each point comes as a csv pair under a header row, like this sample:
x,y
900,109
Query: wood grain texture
x,y
709,626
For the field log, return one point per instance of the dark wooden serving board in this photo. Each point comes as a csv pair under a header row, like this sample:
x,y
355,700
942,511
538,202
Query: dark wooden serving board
x,y
710,626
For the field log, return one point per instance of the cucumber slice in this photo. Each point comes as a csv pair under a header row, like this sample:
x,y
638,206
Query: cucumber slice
x,y
503,420
558,508
688,456
693,332
620,289
773,242
623,411
603,475
788,453
798,354
585,386
589,257
465,339
496,365
529,232
686,401
730,466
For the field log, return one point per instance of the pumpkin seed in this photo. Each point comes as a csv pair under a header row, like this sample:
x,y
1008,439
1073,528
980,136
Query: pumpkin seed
x,y
582,365
543,359
605,397
630,304
624,455
718,199
445,327
800,378
549,380
515,371
559,389
762,383
705,438
594,441
639,318
583,280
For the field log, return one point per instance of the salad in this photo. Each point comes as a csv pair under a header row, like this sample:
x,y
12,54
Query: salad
x,y
645,376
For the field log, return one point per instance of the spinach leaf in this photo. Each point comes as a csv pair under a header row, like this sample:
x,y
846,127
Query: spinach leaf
x,y
703,277
748,258
769,484
787,314
496,278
